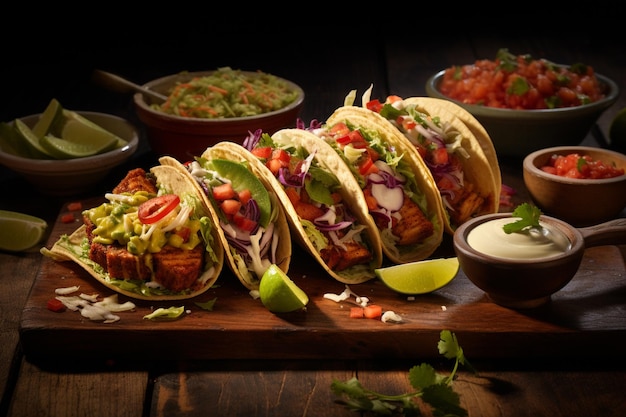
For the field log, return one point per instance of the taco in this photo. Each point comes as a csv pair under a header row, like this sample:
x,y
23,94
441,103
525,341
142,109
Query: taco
x,y
455,148
152,239
399,190
325,207
253,225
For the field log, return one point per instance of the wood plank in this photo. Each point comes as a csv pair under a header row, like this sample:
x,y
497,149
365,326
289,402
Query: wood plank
x,y
75,392
586,314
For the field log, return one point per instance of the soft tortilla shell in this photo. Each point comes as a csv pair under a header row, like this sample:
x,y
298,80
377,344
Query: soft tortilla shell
x,y
350,191
176,183
369,120
223,150
476,128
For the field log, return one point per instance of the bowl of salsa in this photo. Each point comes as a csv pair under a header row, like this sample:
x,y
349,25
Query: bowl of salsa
x,y
526,104
206,107
581,185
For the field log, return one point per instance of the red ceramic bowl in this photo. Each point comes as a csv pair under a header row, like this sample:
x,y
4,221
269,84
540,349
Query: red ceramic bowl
x,y
185,137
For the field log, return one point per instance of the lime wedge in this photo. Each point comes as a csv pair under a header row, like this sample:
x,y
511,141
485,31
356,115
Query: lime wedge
x,y
35,147
617,131
19,231
419,277
48,118
242,178
76,128
12,142
279,294
65,149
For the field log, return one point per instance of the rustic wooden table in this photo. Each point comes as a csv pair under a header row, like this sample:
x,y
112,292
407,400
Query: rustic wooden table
x,y
563,360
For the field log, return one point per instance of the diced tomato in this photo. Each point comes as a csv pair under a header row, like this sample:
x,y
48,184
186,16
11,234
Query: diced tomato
x,y
356,312
274,165
244,223
367,167
282,156
374,105
339,129
157,208
262,152
357,140
68,218
244,196
184,233
439,156
224,192
372,311
230,206
75,206
406,122
55,305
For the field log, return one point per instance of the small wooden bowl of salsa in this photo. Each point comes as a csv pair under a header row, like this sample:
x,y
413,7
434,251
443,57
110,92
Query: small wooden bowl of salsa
x,y
578,184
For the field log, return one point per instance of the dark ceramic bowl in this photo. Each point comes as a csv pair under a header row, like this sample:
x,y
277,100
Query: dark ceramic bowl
x,y
186,137
64,177
580,202
517,133
529,283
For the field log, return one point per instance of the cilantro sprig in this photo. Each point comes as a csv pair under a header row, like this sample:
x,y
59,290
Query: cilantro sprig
x,y
431,388
529,217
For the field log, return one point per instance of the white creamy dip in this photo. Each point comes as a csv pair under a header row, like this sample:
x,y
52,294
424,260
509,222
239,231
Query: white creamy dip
x,y
490,239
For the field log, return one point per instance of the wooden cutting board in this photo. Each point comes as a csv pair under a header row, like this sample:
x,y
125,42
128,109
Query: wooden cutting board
x,y
581,320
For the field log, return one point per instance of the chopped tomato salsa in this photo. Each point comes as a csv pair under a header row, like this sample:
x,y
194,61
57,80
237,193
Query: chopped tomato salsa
x,y
521,82
575,165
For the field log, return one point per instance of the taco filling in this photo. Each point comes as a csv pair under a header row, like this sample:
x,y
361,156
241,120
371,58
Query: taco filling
x,y
388,183
440,146
146,240
246,211
315,194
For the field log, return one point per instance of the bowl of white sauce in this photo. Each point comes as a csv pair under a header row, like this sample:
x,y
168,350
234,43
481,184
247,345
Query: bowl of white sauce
x,y
523,269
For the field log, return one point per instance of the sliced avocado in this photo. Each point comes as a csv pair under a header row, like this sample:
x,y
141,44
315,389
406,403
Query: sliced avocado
x,y
242,178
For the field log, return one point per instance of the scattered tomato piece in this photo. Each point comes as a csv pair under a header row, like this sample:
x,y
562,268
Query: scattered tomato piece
x,y
68,218
75,206
55,305
356,312
372,311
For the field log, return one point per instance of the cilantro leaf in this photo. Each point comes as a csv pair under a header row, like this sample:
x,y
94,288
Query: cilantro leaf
x,y
207,305
529,217
433,389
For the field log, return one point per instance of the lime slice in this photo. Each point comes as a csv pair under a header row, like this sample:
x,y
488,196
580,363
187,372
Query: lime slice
x,y
77,128
419,277
617,131
35,147
279,294
242,178
65,149
19,231
12,142
48,118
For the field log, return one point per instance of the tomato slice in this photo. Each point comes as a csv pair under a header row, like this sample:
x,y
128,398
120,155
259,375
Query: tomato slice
x,y
157,208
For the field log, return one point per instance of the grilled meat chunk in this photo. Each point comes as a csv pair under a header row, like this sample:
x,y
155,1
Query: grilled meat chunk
x,y
413,226
339,259
177,269
136,180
